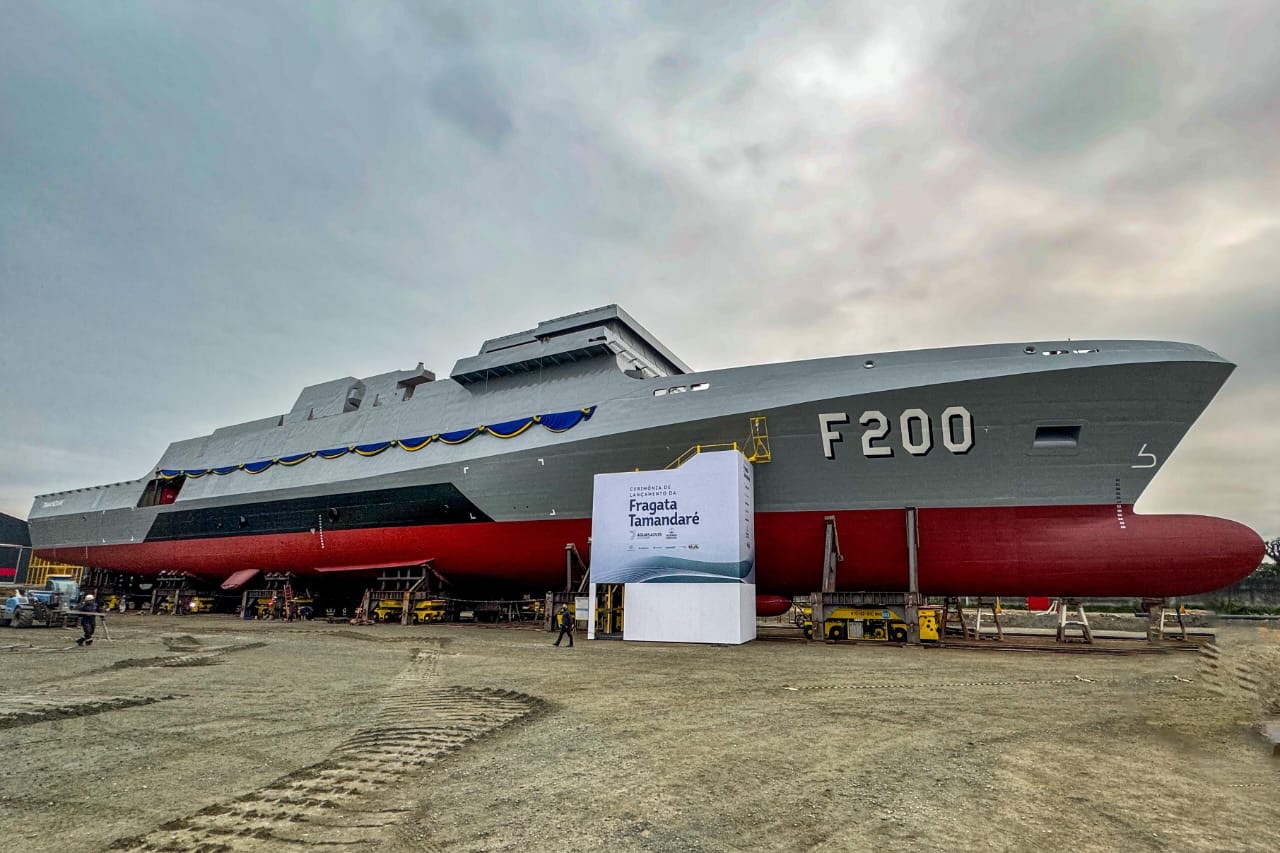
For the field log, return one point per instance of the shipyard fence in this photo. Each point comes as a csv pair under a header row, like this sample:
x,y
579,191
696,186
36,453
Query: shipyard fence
x,y
1256,592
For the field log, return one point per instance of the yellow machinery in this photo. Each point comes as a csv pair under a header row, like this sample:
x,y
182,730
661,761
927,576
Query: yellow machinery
x,y
428,610
551,607
874,623
190,604
533,610
930,624
387,610
199,604
609,608
259,607
392,610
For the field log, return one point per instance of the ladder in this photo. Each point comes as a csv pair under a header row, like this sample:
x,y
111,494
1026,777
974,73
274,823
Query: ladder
x,y
755,448
953,614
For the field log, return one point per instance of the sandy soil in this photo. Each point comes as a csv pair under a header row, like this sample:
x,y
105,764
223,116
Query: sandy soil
x,y
207,733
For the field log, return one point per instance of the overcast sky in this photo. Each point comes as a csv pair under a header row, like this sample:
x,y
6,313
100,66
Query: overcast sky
x,y
206,206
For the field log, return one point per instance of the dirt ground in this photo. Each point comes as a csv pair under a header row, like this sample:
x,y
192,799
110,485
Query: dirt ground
x,y
208,733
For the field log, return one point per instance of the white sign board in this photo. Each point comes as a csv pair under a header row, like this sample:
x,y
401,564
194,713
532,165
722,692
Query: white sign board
x,y
690,612
683,543
692,524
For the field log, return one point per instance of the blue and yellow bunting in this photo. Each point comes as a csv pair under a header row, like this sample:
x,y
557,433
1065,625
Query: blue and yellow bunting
x,y
372,449
554,422
457,436
511,429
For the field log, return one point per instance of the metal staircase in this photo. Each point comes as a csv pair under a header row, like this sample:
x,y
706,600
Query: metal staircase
x,y
756,446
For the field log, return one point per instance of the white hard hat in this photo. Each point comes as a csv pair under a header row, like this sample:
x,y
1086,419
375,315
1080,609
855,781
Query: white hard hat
x,y
88,598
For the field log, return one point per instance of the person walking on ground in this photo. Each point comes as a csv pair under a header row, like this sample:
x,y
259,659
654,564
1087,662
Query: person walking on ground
x,y
566,623
88,613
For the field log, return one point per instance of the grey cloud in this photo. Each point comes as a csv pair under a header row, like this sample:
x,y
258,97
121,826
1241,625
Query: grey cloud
x,y
1040,79
469,98
1232,67
1197,86
675,67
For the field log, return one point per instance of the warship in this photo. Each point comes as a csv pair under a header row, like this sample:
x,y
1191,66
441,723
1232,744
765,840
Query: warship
x,y
1022,463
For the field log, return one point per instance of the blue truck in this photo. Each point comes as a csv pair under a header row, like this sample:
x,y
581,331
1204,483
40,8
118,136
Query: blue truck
x,y
48,606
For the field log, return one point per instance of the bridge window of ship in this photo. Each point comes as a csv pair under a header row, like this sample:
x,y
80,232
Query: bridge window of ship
x,y
700,386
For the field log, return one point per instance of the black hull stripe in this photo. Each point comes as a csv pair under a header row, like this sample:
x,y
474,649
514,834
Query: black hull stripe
x,y
410,506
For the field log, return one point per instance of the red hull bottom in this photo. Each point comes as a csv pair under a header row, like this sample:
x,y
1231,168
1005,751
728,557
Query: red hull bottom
x,y
1084,551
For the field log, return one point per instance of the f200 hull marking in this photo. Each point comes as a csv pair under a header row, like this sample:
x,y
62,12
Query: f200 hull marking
x,y
915,428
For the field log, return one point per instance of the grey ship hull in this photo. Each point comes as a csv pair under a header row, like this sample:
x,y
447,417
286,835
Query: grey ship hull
x,y
1003,445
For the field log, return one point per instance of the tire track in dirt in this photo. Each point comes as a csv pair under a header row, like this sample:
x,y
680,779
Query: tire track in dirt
x,y
363,788
926,685
208,657
354,634
1232,677
26,710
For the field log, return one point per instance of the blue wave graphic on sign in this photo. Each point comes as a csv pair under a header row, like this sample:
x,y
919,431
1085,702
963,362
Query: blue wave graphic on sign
x,y
662,569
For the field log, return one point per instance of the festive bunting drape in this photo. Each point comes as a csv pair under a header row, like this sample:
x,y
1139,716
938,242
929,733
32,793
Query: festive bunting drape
x,y
554,422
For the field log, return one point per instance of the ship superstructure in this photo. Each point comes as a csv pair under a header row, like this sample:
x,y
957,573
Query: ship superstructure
x,y
1023,462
